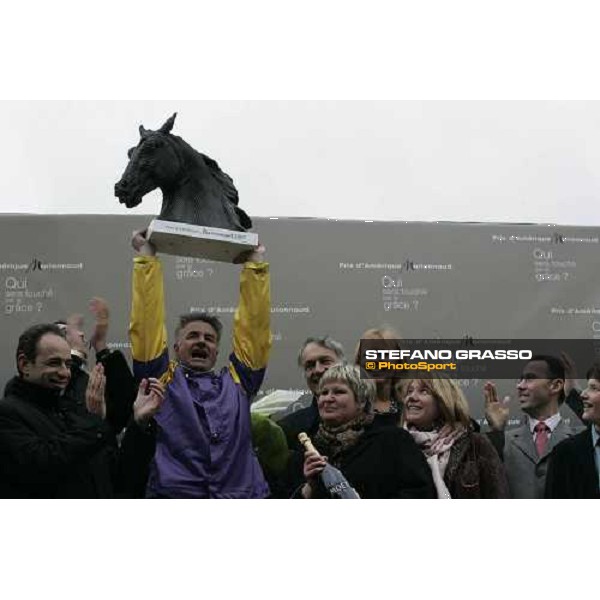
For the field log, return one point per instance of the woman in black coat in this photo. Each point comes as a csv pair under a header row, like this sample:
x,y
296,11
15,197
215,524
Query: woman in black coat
x,y
378,462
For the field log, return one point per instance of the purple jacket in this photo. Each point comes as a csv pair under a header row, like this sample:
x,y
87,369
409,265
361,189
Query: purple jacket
x,y
204,444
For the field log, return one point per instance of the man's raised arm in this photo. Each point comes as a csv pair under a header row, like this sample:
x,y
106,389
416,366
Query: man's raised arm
x,y
252,321
147,330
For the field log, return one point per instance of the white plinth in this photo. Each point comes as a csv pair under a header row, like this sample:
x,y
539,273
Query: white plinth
x,y
183,239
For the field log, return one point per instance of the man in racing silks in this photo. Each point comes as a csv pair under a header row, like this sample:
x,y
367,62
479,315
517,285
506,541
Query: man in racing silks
x,y
197,442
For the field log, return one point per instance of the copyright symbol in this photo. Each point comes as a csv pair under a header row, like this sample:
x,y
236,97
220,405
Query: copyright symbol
x,y
370,365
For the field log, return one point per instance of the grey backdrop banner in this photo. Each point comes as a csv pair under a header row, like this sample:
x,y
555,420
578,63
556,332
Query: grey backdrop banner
x,y
334,277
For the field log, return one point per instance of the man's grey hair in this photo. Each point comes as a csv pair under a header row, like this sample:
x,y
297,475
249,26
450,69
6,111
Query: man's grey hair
x,y
326,342
192,317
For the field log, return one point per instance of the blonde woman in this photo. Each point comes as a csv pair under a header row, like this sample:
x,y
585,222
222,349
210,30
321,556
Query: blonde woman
x,y
378,462
463,463
386,407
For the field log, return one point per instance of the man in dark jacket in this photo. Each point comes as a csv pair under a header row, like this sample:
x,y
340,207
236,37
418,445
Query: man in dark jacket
x,y
574,470
121,389
316,355
50,447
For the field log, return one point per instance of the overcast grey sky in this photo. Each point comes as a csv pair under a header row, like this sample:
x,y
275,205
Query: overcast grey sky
x,y
403,160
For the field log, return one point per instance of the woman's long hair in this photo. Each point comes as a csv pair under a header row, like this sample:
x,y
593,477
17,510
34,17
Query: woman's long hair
x,y
450,398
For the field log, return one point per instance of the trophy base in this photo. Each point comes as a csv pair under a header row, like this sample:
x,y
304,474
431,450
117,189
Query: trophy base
x,y
183,239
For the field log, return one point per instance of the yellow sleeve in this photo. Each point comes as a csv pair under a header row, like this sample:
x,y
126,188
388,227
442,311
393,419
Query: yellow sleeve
x,y
147,331
252,319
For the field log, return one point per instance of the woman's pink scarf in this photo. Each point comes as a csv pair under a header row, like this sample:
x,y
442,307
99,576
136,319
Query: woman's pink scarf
x,y
436,446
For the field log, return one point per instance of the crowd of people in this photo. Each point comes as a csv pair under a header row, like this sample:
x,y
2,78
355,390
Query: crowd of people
x,y
179,428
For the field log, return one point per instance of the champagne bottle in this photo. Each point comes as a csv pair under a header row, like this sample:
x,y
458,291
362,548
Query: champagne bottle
x,y
334,481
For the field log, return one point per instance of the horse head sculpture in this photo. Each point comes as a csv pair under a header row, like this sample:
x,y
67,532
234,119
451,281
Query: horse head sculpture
x,y
194,188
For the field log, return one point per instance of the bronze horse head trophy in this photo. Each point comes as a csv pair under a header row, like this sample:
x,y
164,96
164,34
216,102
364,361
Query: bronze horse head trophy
x,y
194,188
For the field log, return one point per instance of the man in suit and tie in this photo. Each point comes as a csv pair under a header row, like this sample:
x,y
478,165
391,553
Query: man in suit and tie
x,y
526,449
574,470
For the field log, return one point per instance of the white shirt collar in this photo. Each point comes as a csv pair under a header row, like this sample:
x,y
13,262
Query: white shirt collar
x,y
551,422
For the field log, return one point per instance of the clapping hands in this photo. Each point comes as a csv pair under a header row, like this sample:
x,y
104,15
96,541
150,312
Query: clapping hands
x,y
95,401
151,395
